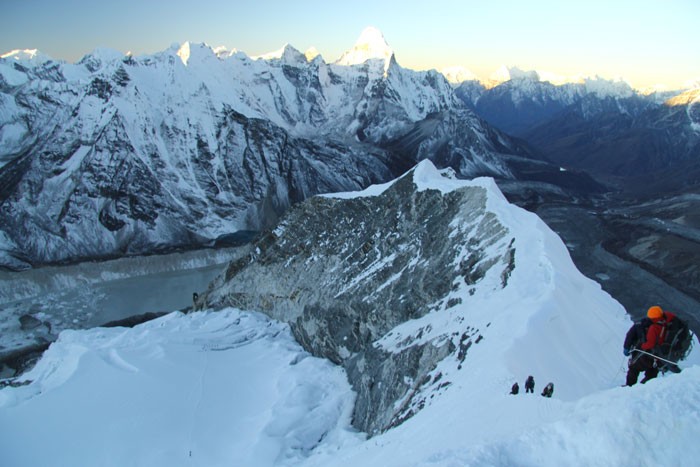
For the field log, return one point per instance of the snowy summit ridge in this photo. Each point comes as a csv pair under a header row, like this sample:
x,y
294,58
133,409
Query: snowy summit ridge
x,y
32,56
391,296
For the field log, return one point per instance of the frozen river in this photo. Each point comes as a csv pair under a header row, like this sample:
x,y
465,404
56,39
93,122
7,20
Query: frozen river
x,y
90,294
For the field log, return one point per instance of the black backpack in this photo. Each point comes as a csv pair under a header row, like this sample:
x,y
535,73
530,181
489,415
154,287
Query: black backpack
x,y
678,341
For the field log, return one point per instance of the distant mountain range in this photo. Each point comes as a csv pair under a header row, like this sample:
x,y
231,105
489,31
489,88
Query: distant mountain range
x,y
635,142
118,155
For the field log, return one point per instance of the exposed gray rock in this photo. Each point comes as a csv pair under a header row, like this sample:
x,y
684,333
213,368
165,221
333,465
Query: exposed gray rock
x,y
345,272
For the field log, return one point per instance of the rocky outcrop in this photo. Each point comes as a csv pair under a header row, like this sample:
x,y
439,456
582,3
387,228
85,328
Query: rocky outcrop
x,y
346,271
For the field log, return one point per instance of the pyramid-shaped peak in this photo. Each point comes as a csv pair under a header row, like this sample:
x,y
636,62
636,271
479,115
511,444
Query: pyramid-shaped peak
x,y
372,37
370,45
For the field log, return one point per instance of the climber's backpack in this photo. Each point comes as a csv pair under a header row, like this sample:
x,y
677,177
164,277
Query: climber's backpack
x,y
678,341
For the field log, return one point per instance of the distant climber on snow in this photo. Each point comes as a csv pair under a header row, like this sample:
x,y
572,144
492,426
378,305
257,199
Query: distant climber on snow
x,y
515,389
530,385
656,343
548,390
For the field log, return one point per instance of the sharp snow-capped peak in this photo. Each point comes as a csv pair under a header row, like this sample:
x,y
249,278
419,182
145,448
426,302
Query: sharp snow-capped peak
x,y
198,52
184,53
370,45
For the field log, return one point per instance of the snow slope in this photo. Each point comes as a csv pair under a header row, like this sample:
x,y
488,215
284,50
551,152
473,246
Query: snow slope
x,y
227,388
232,388
653,424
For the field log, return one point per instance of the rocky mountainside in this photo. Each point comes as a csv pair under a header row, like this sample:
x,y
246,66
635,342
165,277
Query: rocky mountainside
x,y
624,138
120,155
640,147
355,273
344,272
523,100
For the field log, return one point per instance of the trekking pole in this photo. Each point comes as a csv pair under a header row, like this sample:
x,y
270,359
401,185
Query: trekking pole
x,y
655,356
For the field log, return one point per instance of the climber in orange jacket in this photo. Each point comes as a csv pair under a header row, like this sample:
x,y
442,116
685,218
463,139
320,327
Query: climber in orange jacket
x,y
655,336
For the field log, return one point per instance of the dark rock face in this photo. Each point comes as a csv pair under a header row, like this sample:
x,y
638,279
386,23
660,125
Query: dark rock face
x,y
345,272
105,199
28,322
641,148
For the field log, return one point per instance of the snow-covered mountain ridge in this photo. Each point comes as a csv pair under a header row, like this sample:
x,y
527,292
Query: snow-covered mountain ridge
x,y
603,87
466,295
122,155
525,100
300,95
516,100
387,283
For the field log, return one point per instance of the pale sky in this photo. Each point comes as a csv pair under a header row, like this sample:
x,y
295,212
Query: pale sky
x,y
645,42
